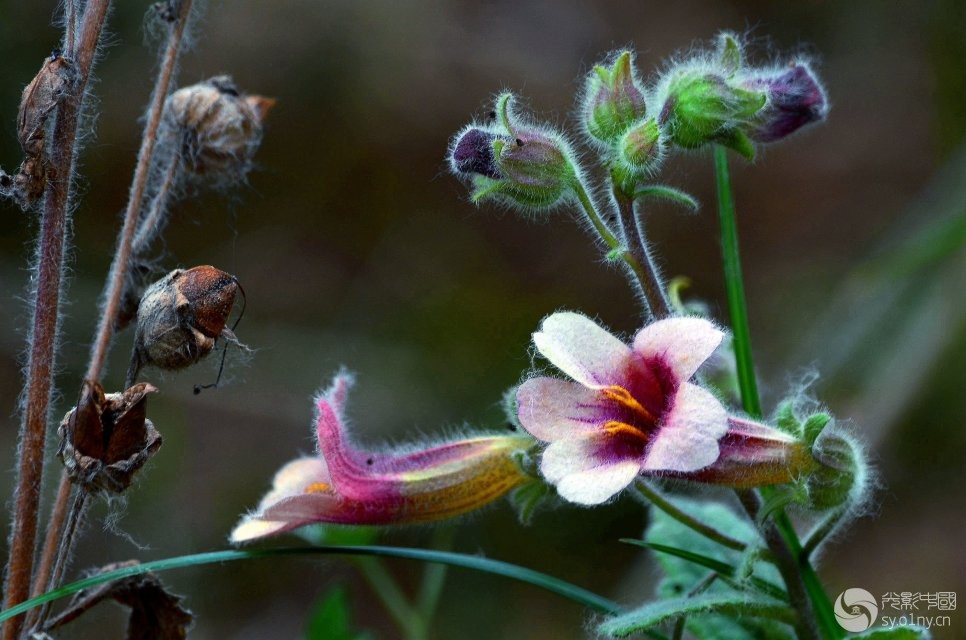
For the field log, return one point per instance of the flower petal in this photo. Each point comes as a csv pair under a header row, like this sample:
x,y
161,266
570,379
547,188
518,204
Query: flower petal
x,y
582,349
293,478
552,409
574,468
683,344
688,439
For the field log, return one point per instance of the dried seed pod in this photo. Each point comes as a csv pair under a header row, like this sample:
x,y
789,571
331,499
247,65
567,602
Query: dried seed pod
x,y
181,316
220,128
49,88
106,438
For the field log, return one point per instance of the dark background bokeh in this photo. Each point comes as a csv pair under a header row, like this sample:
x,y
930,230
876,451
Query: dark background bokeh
x,y
356,248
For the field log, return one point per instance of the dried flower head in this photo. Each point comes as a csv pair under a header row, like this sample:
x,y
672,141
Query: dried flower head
x,y
219,128
106,438
181,316
48,89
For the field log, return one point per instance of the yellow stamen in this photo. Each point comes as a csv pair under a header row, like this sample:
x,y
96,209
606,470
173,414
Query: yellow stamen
x,y
622,396
613,428
318,487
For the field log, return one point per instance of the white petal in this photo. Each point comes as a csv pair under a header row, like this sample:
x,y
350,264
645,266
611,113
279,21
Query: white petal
x,y
683,344
294,477
572,467
552,409
598,485
688,438
251,528
582,349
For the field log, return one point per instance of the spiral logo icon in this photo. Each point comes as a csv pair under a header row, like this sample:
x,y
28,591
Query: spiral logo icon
x,y
856,609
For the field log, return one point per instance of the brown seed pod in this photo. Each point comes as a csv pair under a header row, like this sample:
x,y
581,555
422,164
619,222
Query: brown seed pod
x,y
180,317
220,128
50,87
106,438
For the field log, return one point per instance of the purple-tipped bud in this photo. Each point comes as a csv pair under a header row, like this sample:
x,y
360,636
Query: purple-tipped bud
x,y
642,147
795,99
473,153
614,100
514,161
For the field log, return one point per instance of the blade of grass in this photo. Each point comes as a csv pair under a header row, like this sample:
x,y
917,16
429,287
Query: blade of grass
x,y
495,567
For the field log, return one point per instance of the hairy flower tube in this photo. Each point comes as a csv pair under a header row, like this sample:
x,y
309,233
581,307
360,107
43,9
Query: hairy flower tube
x,y
795,98
513,161
345,485
631,410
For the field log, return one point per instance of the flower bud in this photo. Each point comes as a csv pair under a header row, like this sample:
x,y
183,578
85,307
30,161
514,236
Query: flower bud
x,y
513,161
181,316
840,475
642,147
106,438
795,99
703,107
614,100
220,129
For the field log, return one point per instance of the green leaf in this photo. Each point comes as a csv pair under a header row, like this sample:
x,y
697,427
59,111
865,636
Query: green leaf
x,y
722,568
528,498
667,193
330,618
685,570
550,583
735,605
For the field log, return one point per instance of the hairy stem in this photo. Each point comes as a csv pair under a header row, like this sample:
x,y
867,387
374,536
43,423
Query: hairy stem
x,y
46,308
122,256
64,552
55,542
803,584
822,531
150,224
640,276
636,242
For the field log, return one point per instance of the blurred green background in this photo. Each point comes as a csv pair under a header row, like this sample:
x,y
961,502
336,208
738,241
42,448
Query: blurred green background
x,y
356,248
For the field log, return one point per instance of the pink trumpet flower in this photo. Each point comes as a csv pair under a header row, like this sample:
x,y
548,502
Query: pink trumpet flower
x,y
347,486
631,410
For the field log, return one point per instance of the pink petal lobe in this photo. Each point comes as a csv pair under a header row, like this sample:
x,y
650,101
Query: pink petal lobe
x,y
582,349
688,438
552,409
682,343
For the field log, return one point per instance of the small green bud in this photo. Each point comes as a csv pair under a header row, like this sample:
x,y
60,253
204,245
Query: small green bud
x,y
514,161
613,100
642,147
840,474
702,107
814,425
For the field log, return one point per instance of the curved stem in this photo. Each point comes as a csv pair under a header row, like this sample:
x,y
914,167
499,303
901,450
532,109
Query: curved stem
x,y
823,530
150,224
658,500
64,551
46,311
495,567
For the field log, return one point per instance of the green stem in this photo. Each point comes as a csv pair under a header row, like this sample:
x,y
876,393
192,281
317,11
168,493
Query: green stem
x,y
735,286
434,577
391,596
820,603
822,531
655,498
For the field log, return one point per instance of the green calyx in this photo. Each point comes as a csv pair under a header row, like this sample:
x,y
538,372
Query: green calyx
x,y
614,100
840,475
704,108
